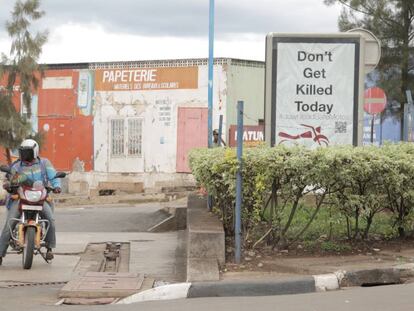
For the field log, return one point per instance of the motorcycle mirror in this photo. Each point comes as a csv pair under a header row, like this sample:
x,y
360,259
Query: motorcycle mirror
x,y
5,169
60,175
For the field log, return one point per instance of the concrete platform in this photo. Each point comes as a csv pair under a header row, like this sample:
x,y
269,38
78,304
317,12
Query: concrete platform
x,y
205,244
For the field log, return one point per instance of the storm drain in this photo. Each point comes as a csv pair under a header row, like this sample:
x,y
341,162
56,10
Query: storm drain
x,y
14,284
103,276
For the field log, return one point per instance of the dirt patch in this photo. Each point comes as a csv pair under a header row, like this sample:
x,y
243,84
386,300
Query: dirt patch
x,y
322,257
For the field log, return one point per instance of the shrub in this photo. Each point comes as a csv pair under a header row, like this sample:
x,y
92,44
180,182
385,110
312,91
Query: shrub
x,y
357,182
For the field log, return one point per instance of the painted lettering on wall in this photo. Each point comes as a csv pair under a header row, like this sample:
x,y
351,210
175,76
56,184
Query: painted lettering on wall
x,y
146,79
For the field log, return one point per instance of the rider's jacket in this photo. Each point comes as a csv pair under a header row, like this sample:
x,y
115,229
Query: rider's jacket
x,y
39,169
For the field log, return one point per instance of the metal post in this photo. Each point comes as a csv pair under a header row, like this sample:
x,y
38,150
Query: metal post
x,y
381,121
372,129
220,130
210,74
239,181
408,117
210,87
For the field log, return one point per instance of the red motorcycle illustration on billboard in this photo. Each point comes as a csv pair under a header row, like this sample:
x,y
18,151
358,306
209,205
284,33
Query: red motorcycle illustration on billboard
x,y
313,133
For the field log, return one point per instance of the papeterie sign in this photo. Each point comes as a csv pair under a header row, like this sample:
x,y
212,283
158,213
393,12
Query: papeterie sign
x,y
314,86
146,79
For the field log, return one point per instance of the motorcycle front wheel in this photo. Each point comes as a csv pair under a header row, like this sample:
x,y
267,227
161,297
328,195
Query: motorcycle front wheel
x,y
29,247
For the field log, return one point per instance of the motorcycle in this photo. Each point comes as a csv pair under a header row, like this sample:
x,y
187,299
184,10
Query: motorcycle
x,y
29,233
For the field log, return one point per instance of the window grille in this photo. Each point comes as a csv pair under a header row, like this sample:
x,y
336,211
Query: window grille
x,y
117,137
135,137
126,137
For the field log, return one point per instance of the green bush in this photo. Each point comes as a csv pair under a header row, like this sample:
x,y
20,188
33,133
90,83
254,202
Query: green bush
x,y
284,184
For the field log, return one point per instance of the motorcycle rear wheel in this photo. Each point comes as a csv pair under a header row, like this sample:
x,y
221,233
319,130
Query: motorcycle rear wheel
x,y
29,247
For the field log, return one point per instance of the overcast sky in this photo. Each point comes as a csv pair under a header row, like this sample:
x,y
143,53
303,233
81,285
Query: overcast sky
x,y
122,30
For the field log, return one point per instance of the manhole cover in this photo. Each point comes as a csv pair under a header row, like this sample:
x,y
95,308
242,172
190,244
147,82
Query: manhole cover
x,y
103,285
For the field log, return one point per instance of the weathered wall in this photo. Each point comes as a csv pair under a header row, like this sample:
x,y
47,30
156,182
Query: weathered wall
x,y
75,108
68,129
56,112
158,111
245,83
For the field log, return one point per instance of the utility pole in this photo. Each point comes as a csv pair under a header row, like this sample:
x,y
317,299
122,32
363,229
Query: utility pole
x,y
210,73
239,183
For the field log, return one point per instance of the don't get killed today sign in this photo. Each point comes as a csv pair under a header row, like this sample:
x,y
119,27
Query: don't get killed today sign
x,y
314,96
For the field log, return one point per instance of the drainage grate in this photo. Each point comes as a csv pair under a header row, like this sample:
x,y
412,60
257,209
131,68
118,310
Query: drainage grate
x,y
14,284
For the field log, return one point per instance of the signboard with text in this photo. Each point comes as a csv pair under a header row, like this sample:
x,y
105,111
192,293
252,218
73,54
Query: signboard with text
x,y
146,79
253,135
312,89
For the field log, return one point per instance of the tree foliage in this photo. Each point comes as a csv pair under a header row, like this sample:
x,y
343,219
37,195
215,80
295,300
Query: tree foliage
x,y
392,21
21,71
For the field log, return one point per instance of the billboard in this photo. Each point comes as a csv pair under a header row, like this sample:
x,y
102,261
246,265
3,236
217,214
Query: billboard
x,y
312,90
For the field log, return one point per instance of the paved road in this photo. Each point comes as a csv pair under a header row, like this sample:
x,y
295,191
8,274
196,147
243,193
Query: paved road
x,y
158,255
384,298
96,224
118,218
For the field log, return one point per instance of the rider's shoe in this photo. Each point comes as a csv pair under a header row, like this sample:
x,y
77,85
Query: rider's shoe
x,y
49,254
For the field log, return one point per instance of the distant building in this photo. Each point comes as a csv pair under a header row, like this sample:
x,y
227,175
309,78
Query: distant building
x,y
136,121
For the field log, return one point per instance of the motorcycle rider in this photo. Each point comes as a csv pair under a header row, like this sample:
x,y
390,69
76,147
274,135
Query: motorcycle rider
x,y
31,167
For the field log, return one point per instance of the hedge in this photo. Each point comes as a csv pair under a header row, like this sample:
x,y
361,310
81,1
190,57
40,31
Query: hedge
x,y
358,182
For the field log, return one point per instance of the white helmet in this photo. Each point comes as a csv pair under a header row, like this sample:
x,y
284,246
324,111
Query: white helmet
x,y
28,150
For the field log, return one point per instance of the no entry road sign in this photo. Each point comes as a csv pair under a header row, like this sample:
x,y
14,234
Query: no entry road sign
x,y
375,100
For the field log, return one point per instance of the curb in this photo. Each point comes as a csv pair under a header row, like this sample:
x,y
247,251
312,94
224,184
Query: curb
x,y
310,284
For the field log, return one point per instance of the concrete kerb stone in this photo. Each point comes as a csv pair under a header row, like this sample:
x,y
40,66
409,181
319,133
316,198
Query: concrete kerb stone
x,y
224,289
315,283
252,288
166,292
371,277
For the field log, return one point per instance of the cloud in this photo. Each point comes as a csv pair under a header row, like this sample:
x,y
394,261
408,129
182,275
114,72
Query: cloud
x,y
75,43
97,30
188,18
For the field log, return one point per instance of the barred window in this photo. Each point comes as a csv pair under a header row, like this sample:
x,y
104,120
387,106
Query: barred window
x,y
126,137
117,137
135,137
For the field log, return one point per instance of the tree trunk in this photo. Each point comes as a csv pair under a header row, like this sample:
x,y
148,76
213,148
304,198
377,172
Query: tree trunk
x,y
369,223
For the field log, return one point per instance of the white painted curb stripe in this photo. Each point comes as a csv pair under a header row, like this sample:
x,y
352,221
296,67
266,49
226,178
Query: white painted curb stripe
x,y
166,292
325,282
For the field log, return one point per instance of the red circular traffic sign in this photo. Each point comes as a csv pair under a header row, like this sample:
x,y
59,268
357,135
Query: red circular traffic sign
x,y
374,100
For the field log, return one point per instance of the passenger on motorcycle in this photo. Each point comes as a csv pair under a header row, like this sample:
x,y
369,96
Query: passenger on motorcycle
x,y
31,167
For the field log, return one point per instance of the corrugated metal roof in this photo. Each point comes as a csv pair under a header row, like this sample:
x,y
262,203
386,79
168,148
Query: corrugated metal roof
x,y
189,62
65,66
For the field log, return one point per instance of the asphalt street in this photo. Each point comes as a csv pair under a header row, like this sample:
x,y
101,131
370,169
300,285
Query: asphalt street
x,y
157,255
100,222
383,298
112,218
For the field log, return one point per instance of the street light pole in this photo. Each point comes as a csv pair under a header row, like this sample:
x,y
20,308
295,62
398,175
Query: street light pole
x,y
210,74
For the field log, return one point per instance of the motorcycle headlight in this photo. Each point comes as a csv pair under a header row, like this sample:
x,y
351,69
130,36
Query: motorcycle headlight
x,y
32,196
